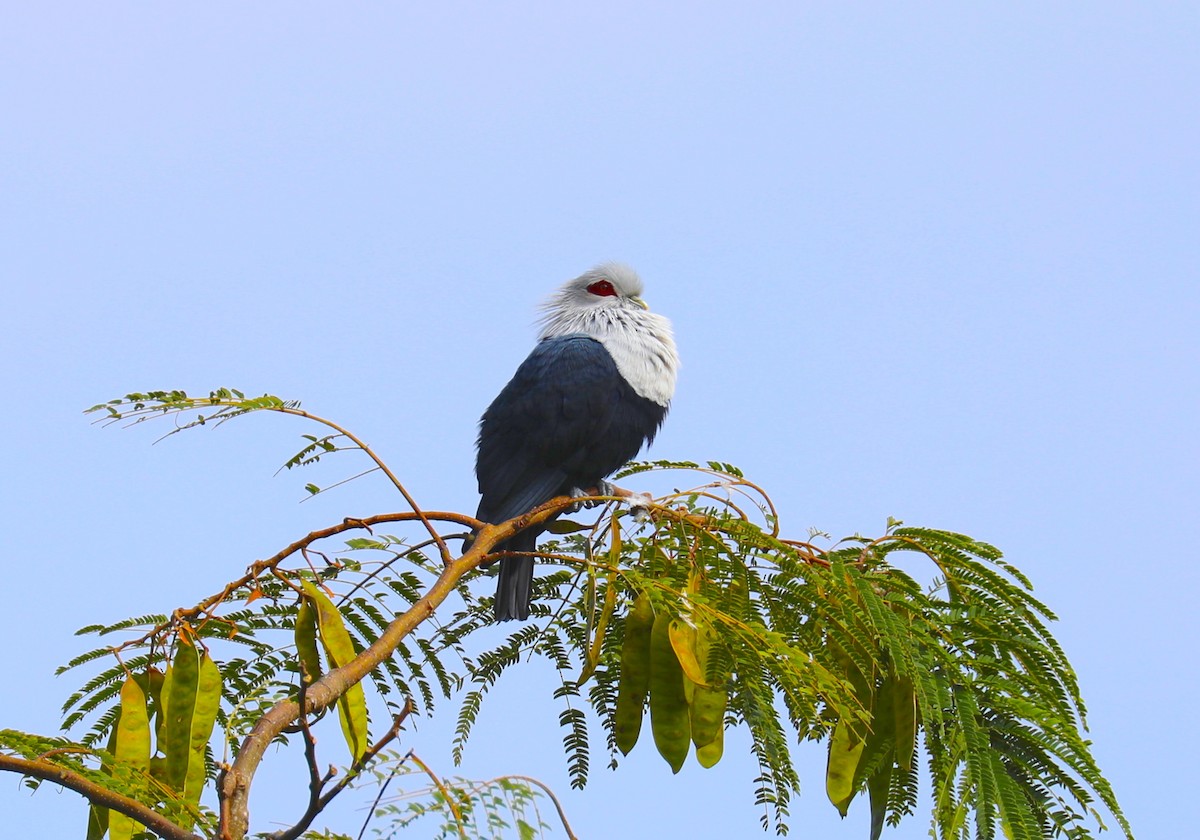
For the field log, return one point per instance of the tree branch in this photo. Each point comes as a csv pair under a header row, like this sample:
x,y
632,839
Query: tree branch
x,y
260,566
229,404
97,794
234,786
412,503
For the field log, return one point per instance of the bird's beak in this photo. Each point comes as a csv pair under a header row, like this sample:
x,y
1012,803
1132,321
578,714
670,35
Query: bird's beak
x,y
640,303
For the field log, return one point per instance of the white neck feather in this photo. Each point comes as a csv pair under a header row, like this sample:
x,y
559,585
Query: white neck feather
x,y
639,341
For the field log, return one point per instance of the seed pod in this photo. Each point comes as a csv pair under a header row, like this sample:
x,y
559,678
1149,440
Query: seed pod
x,y
708,701
306,642
668,705
845,749
160,722
97,825
191,697
339,648
98,814
635,674
878,787
880,750
179,695
709,754
683,642
906,723
152,682
131,750
204,717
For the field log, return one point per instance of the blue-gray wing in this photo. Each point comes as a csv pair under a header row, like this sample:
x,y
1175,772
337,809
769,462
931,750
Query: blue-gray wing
x,y
566,419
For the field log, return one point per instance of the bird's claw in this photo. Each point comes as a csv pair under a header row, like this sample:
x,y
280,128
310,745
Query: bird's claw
x,y
603,488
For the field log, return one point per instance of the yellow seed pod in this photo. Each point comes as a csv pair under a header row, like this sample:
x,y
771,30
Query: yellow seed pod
x,y
204,718
845,750
709,754
131,749
683,642
339,650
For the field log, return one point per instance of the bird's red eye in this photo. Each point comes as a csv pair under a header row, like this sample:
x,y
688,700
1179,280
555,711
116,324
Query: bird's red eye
x,y
602,288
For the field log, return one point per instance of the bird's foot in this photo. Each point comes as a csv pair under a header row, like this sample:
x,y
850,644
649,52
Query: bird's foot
x,y
603,488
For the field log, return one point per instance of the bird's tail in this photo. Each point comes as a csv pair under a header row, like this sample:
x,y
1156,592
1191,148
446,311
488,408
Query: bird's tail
x,y
515,582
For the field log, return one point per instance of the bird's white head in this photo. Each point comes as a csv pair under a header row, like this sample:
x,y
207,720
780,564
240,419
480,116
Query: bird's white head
x,y
605,303
608,286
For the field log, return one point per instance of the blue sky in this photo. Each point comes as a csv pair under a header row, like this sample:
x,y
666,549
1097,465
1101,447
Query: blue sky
x,y
936,262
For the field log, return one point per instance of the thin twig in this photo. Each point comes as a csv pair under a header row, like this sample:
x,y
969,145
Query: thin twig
x,y
562,814
338,483
228,408
319,803
412,503
451,803
260,566
315,781
379,798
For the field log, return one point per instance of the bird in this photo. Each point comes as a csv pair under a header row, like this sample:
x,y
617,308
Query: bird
x,y
594,390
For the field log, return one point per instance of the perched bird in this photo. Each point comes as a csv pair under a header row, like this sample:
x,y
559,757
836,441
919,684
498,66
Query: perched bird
x,y
595,388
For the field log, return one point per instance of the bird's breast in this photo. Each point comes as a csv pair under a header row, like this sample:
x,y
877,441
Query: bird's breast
x,y
648,362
